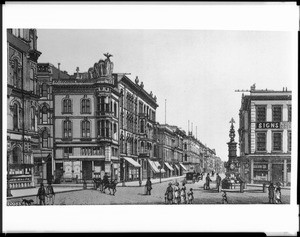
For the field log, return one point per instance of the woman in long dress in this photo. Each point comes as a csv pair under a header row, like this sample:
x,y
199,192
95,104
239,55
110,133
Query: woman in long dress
x,y
183,194
177,193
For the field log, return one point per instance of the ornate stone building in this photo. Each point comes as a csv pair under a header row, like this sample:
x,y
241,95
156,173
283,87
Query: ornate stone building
x,y
86,123
22,106
265,136
137,119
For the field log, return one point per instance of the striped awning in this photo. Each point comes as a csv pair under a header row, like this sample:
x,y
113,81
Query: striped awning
x,y
162,170
132,162
183,167
176,166
169,166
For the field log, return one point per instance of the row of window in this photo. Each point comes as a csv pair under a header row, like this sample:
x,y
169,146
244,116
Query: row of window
x,y
89,151
261,141
261,113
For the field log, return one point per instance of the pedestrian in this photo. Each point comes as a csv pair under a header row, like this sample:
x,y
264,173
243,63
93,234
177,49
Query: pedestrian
x,y
50,194
148,186
271,193
218,181
278,193
169,194
224,198
190,196
207,181
177,193
183,194
41,194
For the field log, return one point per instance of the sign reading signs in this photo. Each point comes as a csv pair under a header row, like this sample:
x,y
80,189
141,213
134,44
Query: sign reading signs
x,y
273,125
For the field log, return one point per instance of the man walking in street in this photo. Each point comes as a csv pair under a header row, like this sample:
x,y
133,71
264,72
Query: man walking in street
x,y
148,186
218,181
50,194
41,194
207,182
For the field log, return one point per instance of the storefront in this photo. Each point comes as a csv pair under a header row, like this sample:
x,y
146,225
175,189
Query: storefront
x,y
156,170
177,170
132,169
183,169
169,170
270,169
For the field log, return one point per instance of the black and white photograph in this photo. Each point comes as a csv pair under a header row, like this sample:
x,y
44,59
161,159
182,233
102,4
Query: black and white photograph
x,y
163,124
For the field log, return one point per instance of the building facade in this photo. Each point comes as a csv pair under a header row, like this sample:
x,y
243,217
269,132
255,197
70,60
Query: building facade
x,y
265,136
138,145
86,123
192,155
22,106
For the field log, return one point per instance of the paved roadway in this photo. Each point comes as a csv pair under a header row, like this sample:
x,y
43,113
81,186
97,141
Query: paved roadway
x,y
135,195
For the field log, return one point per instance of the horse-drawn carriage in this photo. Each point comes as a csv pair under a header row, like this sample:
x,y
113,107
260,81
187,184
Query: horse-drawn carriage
x,y
193,176
103,184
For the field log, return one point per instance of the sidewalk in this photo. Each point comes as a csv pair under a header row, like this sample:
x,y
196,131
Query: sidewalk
x,y
61,188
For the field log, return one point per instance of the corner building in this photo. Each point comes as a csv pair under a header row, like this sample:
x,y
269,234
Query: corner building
x,y
265,136
86,127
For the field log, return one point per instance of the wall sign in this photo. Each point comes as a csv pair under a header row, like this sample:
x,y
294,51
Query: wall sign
x,y
273,125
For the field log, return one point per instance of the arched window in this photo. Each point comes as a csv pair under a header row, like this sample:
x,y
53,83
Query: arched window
x,y
142,129
67,105
44,114
17,155
16,73
85,129
32,119
45,136
67,127
15,116
44,90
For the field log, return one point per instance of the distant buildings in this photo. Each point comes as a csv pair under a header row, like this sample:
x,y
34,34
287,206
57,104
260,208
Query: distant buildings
x,y
265,136
71,128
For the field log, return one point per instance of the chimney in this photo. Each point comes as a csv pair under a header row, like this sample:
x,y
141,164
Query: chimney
x,y
58,70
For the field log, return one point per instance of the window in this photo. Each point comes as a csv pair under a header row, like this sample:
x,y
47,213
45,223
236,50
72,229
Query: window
x,y
15,117
115,109
67,105
261,113
142,129
15,73
32,118
17,155
277,113
44,90
289,113
260,171
44,114
85,129
67,126
85,106
289,141
31,82
45,138
277,141
68,151
261,141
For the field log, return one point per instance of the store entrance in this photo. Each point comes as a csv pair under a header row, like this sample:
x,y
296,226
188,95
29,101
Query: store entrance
x,y
87,170
277,173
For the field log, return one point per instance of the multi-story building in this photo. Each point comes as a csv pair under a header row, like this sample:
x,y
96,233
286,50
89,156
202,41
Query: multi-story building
x,y
170,148
191,153
45,166
265,136
22,106
86,123
138,145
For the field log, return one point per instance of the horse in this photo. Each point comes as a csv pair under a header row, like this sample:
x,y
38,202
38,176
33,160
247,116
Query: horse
x,y
111,186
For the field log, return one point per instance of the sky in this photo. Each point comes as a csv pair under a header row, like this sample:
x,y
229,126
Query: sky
x,y
195,71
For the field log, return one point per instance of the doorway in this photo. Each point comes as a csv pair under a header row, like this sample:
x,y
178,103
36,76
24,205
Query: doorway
x,y
87,170
277,173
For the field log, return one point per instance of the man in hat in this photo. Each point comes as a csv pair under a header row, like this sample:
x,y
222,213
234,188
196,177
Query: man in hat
x,y
148,186
41,194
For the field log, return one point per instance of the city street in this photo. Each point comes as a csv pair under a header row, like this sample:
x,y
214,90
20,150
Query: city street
x,y
135,195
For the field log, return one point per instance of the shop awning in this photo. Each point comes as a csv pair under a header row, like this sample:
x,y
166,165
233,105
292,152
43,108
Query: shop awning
x,y
183,167
176,166
169,166
153,166
132,162
162,170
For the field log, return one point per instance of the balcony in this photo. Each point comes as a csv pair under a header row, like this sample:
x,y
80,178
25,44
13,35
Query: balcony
x,y
143,115
104,113
104,139
144,154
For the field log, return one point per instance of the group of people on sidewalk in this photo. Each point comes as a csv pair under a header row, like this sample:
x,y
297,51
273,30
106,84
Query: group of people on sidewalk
x,y
48,193
274,193
178,195
208,181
